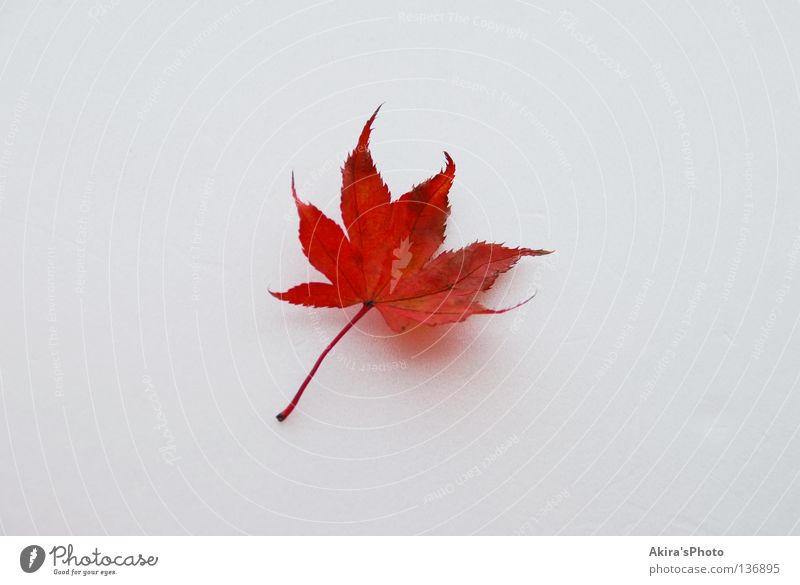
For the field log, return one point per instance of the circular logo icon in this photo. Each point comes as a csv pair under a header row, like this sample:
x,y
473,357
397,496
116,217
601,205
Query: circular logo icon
x,y
31,558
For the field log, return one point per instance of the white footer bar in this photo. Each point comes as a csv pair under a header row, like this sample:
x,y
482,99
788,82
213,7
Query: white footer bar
x,y
391,559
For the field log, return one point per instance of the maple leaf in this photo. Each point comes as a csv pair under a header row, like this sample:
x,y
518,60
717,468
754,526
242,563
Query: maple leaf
x,y
386,258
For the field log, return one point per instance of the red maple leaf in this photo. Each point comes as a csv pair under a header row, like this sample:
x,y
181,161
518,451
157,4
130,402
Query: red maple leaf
x,y
386,259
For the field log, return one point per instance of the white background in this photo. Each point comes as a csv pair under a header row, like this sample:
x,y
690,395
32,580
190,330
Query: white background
x,y
650,387
603,559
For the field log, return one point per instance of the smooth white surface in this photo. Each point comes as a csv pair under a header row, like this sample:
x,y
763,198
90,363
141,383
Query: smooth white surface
x,y
651,386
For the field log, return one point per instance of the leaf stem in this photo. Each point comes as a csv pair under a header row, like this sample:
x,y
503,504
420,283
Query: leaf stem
x,y
288,410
